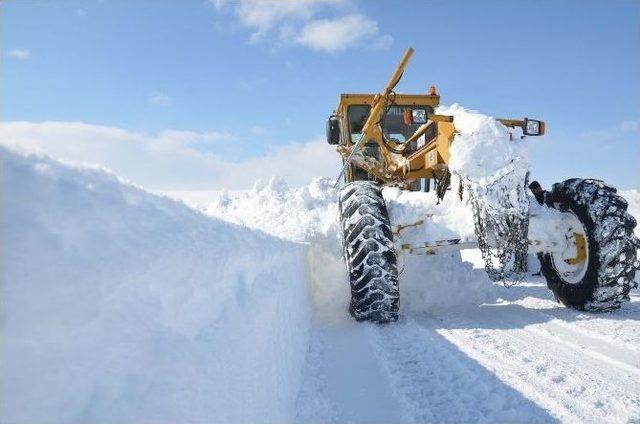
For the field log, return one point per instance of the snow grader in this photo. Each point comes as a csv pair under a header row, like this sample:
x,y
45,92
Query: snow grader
x,y
579,230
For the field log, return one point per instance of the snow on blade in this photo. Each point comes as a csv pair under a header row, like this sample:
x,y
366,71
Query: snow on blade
x,y
427,282
449,219
121,306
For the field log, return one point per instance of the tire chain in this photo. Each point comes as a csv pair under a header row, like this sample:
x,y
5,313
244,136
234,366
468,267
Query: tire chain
x,y
510,231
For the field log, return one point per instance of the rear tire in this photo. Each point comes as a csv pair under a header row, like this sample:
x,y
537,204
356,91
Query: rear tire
x,y
369,253
611,257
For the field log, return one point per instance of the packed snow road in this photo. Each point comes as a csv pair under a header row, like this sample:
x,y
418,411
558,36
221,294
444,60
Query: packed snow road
x,y
520,358
122,306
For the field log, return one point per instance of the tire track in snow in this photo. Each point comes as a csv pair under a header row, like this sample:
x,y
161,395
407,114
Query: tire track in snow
x,y
344,382
594,345
616,331
625,353
312,403
436,382
558,376
592,348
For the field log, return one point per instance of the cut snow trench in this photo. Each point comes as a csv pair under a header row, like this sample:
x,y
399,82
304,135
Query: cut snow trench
x,y
119,305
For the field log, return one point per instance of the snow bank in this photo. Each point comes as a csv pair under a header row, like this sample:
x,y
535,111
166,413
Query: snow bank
x,y
303,214
121,306
633,197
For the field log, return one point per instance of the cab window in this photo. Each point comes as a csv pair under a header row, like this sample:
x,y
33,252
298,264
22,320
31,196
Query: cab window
x,y
394,126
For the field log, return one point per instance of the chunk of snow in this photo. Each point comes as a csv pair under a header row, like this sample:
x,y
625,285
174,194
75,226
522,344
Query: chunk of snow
x,y
483,146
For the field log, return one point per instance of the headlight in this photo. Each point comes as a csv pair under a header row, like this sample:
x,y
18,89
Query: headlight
x,y
419,116
533,127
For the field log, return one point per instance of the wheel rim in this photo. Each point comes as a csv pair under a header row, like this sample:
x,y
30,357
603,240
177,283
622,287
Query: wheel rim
x,y
572,262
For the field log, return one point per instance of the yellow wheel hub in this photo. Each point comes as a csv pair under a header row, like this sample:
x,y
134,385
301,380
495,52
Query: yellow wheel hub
x,y
581,249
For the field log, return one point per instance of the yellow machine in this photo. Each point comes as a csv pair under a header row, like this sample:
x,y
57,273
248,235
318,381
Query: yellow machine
x,y
580,232
404,140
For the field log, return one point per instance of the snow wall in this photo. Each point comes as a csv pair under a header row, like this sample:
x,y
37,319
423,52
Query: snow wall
x,y
122,306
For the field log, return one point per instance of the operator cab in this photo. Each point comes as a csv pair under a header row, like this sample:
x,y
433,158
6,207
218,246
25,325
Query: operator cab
x,y
399,121
398,124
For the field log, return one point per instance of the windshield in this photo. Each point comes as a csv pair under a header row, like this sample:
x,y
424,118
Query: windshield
x,y
394,125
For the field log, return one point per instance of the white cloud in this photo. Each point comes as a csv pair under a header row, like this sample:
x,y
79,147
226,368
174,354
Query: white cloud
x,y
257,130
263,15
334,35
297,163
382,42
160,99
630,126
20,54
170,160
612,134
296,22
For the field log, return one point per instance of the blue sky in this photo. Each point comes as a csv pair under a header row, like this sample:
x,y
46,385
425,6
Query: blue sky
x,y
234,80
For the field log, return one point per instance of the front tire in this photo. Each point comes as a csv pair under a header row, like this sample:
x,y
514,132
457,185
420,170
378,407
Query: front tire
x,y
609,272
369,253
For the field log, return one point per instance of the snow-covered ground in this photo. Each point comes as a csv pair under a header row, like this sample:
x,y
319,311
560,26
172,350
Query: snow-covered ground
x,y
465,350
122,306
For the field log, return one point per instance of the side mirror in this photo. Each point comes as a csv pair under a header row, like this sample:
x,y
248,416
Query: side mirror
x,y
533,127
333,130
